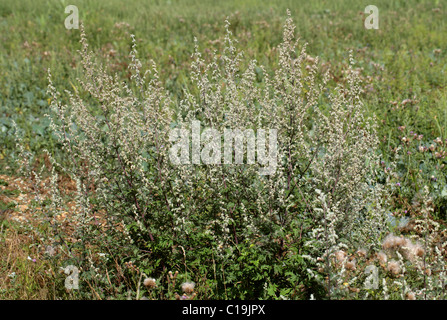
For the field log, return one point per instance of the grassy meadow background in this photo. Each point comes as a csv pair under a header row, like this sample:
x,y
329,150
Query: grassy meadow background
x,y
403,66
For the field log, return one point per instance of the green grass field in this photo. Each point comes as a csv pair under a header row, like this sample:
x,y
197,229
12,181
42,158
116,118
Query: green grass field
x,y
403,66
400,58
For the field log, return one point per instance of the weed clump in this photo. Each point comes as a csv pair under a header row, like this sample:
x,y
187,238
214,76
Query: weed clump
x,y
236,233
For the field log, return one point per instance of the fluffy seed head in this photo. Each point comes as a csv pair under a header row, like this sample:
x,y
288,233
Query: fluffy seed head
x,y
340,255
150,283
400,241
389,242
394,267
411,296
382,257
412,251
418,250
362,252
188,287
350,265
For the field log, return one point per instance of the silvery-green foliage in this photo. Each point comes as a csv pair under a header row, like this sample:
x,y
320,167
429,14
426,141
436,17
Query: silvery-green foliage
x,y
324,182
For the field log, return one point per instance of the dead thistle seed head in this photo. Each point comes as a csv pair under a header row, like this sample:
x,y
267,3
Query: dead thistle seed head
x,y
411,296
418,250
394,267
150,282
391,241
362,252
388,242
400,241
350,265
188,287
340,255
381,256
412,251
